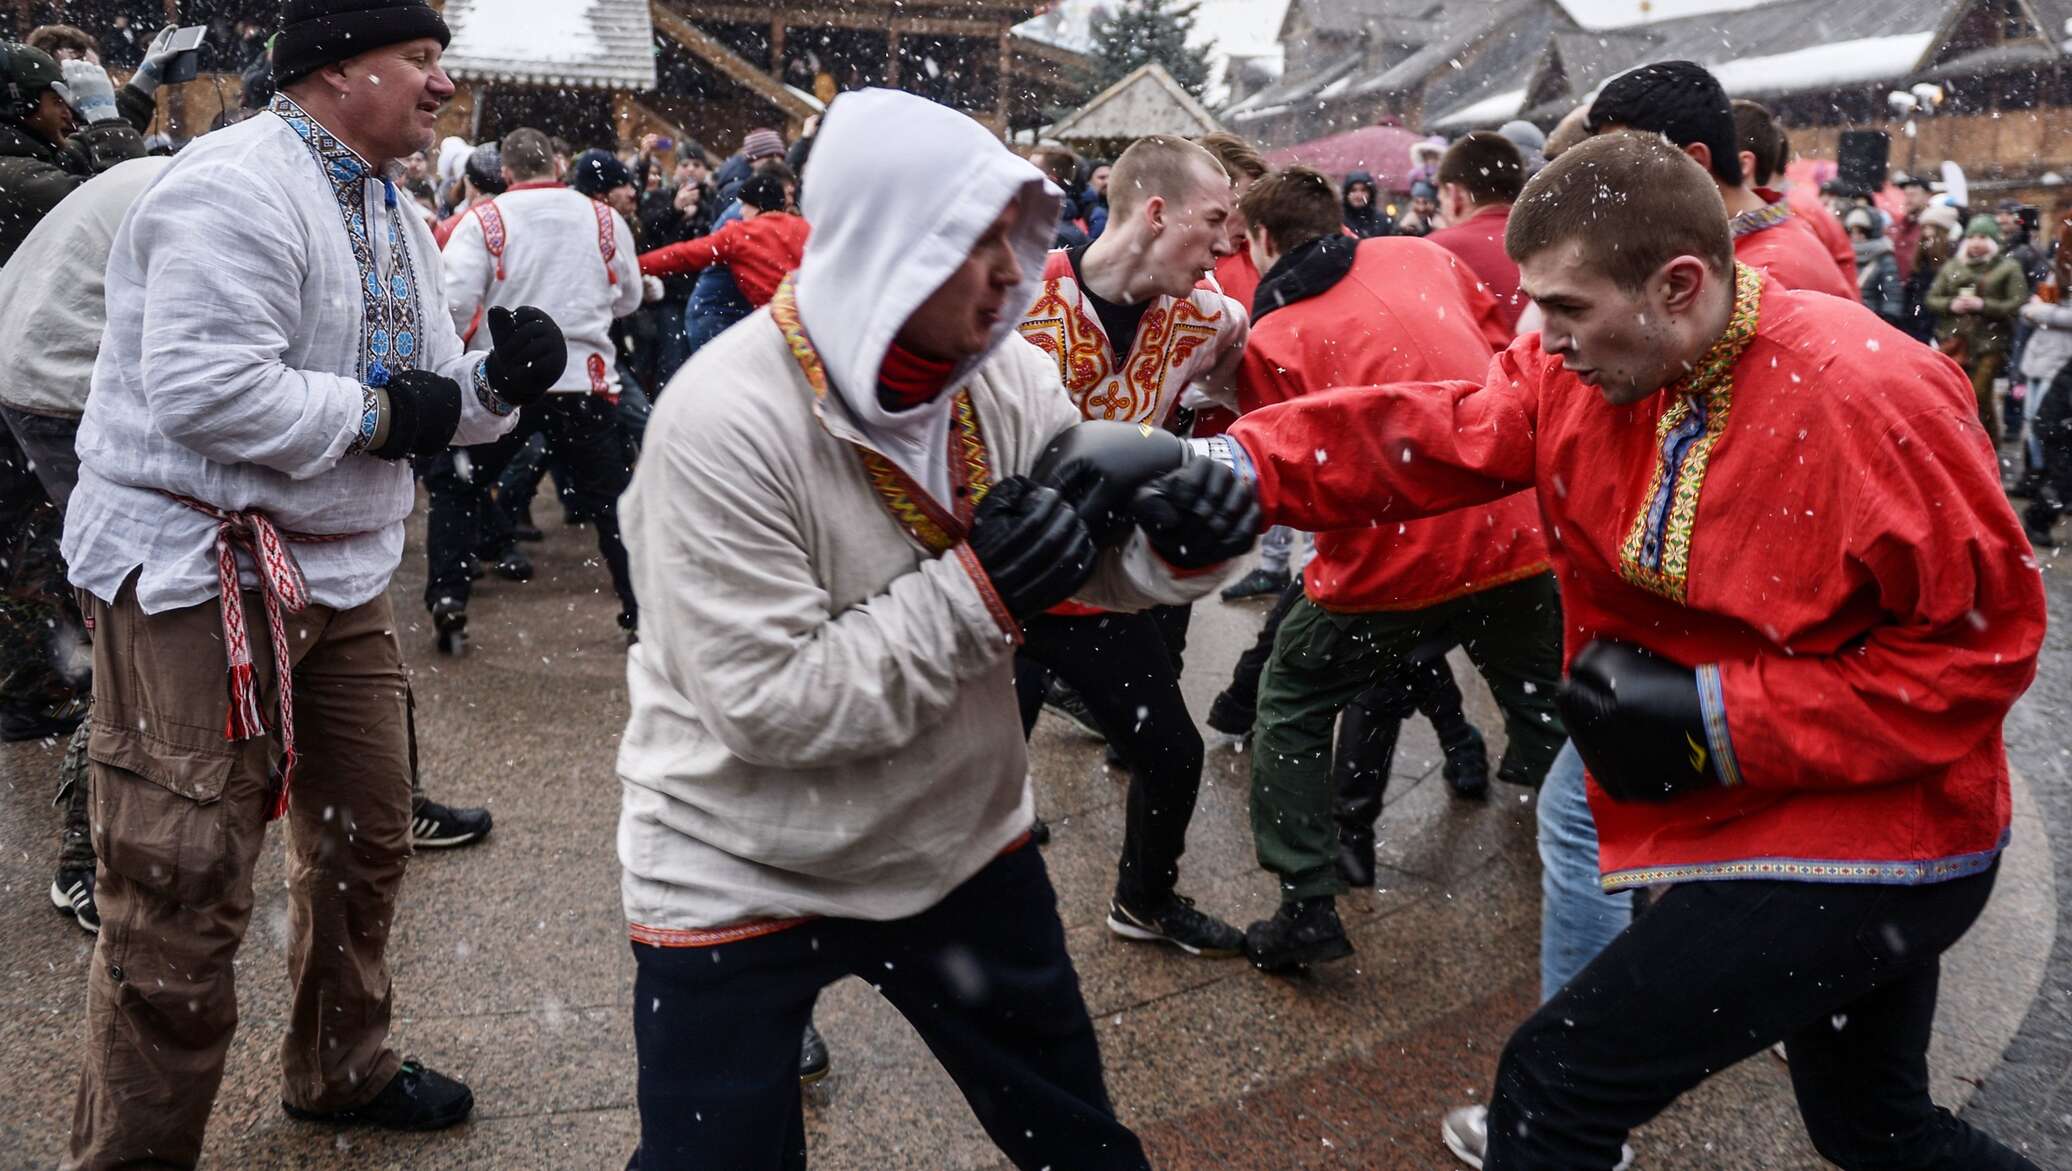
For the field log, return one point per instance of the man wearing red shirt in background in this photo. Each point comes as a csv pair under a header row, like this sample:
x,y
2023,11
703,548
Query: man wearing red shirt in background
x,y
1797,622
761,248
1479,176
1334,311
1765,152
1685,104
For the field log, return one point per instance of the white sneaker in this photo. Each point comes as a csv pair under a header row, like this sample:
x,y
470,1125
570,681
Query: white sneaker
x,y
1466,1132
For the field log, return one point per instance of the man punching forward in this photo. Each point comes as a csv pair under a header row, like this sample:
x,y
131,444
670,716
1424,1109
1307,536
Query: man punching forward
x,y
1798,608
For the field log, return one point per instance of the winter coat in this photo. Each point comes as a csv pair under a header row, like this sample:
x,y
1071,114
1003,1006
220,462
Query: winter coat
x,y
1371,220
823,716
34,175
2050,341
2000,285
1877,278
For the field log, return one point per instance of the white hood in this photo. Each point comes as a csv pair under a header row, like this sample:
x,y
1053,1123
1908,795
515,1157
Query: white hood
x,y
898,189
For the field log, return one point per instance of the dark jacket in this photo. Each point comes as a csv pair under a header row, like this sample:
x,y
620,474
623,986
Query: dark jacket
x,y
34,175
1877,278
662,225
1368,221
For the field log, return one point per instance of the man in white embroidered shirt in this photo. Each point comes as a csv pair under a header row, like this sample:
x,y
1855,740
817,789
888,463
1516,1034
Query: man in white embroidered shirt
x,y
277,346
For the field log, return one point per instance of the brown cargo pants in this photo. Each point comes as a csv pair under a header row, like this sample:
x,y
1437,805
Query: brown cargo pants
x,y
179,816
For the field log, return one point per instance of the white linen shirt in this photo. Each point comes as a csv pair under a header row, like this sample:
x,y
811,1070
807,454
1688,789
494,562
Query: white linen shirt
x,y
553,258
235,362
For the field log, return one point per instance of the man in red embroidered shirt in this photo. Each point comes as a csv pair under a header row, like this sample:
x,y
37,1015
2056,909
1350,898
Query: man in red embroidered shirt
x,y
1686,105
762,247
1797,619
1129,330
537,243
1479,176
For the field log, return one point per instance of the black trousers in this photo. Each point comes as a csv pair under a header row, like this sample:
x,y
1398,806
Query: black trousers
x,y
582,435
1127,669
982,975
2052,426
1844,974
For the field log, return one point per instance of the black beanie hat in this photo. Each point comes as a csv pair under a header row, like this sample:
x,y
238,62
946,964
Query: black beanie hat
x,y
762,192
316,33
595,172
1680,100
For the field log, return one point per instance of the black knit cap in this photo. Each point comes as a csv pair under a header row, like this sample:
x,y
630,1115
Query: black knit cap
x,y
316,33
1679,100
596,172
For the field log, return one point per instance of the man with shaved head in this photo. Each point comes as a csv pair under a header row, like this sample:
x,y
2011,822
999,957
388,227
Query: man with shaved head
x,y
1129,330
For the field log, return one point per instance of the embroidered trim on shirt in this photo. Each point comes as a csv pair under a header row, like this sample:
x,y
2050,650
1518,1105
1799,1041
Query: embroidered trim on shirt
x,y
971,476
389,308
370,420
486,394
1712,702
1748,223
1656,554
1911,873
711,936
1061,325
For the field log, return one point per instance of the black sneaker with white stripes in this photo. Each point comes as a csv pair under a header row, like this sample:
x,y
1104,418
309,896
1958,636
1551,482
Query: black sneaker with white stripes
x,y
434,826
1177,923
72,892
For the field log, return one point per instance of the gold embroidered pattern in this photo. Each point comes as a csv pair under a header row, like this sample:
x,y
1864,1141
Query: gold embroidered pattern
x,y
971,475
1062,325
1656,554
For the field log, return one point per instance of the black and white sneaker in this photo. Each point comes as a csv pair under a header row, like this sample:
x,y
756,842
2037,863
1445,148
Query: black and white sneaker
x,y
72,892
1179,924
1066,702
435,827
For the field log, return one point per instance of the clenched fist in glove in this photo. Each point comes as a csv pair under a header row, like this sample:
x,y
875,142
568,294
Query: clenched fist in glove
x,y
1637,722
1100,464
527,354
1198,516
423,410
1033,546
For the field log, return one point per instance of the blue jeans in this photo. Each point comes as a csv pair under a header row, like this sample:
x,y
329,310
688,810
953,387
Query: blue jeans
x,y
1577,918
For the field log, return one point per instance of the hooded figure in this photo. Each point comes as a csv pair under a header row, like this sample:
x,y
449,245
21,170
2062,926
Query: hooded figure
x,y
1363,216
834,531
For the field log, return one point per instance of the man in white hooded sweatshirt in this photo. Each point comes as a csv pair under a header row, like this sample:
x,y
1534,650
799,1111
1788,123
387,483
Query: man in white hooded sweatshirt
x,y
835,541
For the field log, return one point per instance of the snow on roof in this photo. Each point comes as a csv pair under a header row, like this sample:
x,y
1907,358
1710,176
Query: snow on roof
x,y
602,43
1489,111
1821,66
1605,14
1225,31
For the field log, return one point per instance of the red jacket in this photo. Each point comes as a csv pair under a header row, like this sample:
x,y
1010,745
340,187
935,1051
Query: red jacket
x,y
1818,216
1779,241
1833,552
761,252
1479,241
1407,312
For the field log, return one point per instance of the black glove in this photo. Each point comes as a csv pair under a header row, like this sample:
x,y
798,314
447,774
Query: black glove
x,y
423,410
1034,547
1197,516
1637,722
527,354
1100,464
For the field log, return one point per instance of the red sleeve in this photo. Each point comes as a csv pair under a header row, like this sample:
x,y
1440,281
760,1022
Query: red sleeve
x,y
692,255
1265,378
1343,458
1489,317
1965,617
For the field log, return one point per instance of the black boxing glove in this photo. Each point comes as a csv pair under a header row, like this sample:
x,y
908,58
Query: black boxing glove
x,y
527,354
1032,544
1637,721
1197,516
423,411
1099,465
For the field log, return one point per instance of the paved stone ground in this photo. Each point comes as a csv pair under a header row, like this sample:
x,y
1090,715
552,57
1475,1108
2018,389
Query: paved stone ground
x,y
512,971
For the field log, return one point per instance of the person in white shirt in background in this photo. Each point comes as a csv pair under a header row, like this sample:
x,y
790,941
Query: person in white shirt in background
x,y
277,344
835,529
539,243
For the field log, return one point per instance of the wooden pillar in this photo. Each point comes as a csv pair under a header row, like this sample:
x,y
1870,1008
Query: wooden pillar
x,y
777,45
892,57
622,115
1000,82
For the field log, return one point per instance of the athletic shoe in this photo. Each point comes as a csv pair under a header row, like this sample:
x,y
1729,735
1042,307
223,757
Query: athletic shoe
x,y
415,1099
1066,702
1179,924
1301,933
1466,1133
813,1060
72,892
437,827
1261,582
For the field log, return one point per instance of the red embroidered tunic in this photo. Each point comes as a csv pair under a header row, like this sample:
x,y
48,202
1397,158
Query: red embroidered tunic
x,y
1778,241
1812,519
1407,312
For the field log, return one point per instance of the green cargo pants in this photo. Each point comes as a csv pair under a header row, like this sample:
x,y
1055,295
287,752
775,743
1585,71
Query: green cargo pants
x,y
1321,660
